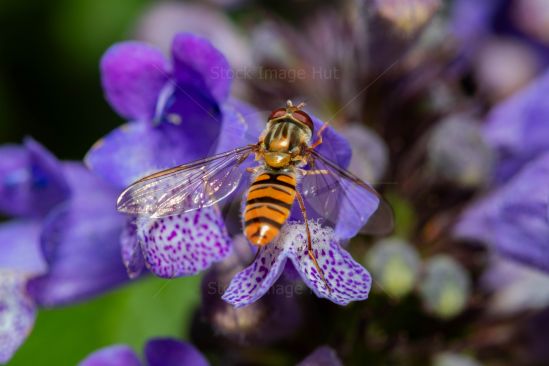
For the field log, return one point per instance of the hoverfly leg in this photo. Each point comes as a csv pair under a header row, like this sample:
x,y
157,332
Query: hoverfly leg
x,y
319,136
314,172
309,241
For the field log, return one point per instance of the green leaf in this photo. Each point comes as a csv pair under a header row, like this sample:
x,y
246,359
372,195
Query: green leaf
x,y
151,307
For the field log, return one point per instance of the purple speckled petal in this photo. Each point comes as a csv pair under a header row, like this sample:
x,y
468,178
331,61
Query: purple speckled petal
x,y
17,313
254,281
171,352
198,64
31,180
322,356
118,355
132,256
20,247
133,74
137,149
348,280
81,243
184,244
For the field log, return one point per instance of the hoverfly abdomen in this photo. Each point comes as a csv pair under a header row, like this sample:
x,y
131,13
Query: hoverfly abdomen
x,y
268,204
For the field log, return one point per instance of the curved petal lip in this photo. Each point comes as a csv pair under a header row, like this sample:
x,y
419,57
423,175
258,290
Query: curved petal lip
x,y
133,74
171,352
197,62
117,355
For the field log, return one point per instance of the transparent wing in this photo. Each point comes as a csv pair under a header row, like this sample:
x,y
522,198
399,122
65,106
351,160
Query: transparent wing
x,y
186,187
343,200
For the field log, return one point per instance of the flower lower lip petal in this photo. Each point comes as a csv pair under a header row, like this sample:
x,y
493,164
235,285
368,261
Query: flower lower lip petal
x,y
17,313
183,244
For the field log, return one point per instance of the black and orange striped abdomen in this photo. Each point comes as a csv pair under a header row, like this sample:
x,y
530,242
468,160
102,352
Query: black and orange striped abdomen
x,y
268,205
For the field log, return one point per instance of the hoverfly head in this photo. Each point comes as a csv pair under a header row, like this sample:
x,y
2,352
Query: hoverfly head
x,y
293,112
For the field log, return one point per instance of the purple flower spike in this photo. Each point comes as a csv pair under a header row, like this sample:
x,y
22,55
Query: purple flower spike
x,y
133,74
17,313
184,244
348,280
119,355
170,352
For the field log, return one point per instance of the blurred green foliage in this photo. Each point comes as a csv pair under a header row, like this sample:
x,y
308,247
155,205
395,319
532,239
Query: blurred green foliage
x,y
49,76
151,307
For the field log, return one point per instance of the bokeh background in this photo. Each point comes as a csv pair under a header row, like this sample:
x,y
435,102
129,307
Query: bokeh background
x,y
422,77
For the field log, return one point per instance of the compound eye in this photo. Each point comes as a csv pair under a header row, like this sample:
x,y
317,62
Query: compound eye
x,y
277,113
304,118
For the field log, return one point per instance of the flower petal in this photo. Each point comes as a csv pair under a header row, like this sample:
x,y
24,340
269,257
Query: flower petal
x,y
137,149
31,180
242,125
17,313
81,244
119,355
171,352
20,247
198,64
348,280
254,281
514,216
324,356
334,146
517,128
132,256
133,74
184,244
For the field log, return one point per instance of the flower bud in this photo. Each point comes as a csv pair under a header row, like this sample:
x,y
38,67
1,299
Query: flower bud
x,y
394,265
456,151
454,359
370,155
407,15
445,287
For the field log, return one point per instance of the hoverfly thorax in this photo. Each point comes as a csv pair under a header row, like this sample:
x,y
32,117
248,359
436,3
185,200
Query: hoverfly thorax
x,y
289,130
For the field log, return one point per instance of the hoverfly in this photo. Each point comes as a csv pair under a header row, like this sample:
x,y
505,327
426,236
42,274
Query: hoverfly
x,y
289,169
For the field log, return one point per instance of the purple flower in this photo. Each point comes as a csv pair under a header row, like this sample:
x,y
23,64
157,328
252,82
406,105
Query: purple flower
x,y
180,112
63,245
158,352
517,128
513,219
324,356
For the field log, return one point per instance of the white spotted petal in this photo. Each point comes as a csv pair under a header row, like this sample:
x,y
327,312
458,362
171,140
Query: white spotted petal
x,y
253,282
17,312
183,244
347,280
